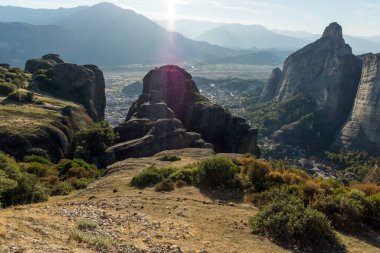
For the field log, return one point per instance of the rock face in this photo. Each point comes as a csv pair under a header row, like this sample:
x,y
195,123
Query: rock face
x,y
362,130
171,114
81,84
45,129
326,70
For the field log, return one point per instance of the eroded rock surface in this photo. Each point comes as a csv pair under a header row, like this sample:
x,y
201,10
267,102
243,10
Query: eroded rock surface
x,y
172,114
326,70
84,85
362,130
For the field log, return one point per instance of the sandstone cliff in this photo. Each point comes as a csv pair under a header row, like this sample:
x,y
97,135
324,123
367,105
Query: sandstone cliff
x,y
326,70
171,114
362,129
80,84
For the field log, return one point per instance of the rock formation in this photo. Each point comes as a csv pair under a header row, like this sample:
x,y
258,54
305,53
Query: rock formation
x,y
326,70
171,114
46,128
81,84
362,129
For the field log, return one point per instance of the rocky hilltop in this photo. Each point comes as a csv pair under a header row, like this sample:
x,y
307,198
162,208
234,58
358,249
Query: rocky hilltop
x,y
84,85
171,114
326,70
362,129
42,115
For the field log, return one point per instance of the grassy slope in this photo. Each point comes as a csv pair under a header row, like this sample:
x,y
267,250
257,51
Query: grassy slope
x,y
186,217
24,117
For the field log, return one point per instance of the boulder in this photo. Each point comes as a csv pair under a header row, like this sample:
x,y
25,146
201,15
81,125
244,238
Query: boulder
x,y
81,84
172,114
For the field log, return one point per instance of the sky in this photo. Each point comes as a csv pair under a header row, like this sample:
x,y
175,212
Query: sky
x,y
358,17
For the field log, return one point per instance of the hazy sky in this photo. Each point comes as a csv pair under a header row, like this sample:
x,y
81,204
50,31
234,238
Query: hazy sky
x,y
358,17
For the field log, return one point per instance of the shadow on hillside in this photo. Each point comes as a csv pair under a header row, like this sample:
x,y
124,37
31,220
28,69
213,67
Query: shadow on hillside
x,y
367,235
223,195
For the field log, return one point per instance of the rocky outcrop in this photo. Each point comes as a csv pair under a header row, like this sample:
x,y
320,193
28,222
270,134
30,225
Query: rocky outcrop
x,y
362,130
46,129
272,86
81,84
326,70
172,114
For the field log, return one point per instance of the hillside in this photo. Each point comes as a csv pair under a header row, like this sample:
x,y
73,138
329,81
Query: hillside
x,y
128,219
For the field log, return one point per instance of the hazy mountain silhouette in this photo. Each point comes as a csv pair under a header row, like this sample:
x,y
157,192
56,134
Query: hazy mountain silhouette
x,y
103,34
248,36
20,41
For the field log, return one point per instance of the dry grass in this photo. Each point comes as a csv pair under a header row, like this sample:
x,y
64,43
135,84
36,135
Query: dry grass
x,y
187,218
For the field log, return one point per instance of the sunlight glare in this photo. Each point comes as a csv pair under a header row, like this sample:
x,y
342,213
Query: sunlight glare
x,y
171,12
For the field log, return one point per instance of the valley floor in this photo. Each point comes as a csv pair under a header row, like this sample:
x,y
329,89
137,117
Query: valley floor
x,y
132,220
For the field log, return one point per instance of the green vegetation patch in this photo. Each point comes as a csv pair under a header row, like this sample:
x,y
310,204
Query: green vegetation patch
x,y
169,158
36,178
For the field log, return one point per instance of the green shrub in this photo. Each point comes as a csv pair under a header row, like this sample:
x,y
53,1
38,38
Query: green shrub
x,y
217,171
287,221
346,211
17,96
165,186
258,175
372,213
65,165
80,183
40,170
29,97
86,225
187,174
91,143
29,190
6,88
151,177
169,158
37,159
62,188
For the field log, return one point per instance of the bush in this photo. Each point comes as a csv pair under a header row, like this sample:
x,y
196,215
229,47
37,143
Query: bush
x,y
37,159
372,213
86,225
91,143
346,211
62,188
169,158
287,221
165,186
151,177
6,88
65,165
367,188
80,183
217,171
258,175
17,96
29,190
29,97
187,175
40,170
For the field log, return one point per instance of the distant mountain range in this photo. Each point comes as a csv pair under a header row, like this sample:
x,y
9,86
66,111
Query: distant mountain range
x,y
240,36
107,35
103,34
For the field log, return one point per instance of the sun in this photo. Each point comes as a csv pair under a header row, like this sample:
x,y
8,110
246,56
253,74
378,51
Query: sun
x,y
171,11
